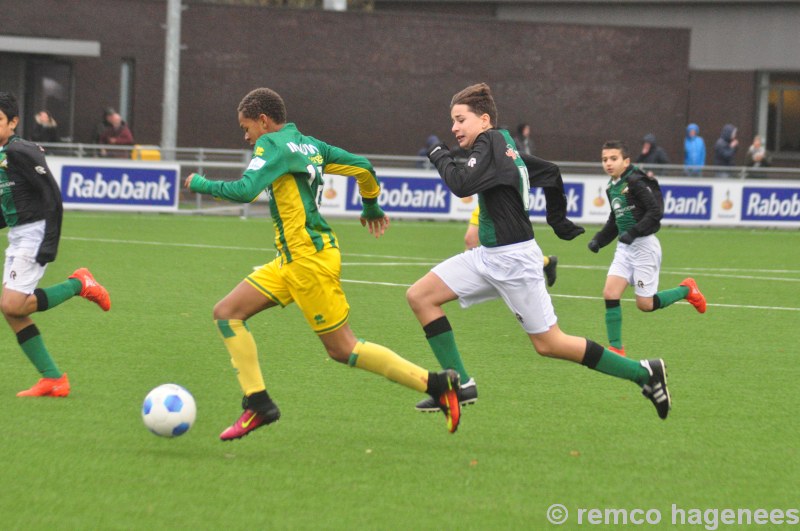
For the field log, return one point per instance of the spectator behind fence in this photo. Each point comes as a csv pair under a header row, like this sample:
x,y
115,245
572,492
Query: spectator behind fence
x,y
45,129
725,149
757,155
651,153
523,139
694,151
116,133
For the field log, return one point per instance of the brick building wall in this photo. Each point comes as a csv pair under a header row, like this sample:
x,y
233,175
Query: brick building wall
x,y
380,82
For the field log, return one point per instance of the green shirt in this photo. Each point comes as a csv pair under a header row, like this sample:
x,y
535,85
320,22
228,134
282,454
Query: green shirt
x,y
289,166
619,199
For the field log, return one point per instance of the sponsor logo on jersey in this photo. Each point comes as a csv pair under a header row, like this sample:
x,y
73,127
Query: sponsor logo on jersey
x,y
471,162
256,163
305,149
771,204
687,202
259,152
119,186
405,194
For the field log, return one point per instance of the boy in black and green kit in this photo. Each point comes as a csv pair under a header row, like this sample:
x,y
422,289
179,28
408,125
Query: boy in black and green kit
x,y
32,211
636,212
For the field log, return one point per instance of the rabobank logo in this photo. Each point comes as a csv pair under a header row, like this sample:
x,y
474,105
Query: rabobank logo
x,y
687,202
405,194
771,204
96,185
574,193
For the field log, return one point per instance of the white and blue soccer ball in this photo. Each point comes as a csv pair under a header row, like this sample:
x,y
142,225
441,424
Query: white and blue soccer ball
x,y
169,410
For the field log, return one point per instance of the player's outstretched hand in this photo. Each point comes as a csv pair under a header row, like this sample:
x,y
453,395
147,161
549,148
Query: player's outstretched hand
x,y
376,226
567,230
188,182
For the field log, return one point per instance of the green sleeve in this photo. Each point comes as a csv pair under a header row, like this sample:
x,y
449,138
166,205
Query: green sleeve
x,y
264,168
341,162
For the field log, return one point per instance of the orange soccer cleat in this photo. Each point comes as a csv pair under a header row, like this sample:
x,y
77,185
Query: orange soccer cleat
x,y
91,289
620,351
448,400
695,298
55,387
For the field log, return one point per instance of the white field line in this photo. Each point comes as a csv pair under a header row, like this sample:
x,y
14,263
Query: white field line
x,y
586,297
417,261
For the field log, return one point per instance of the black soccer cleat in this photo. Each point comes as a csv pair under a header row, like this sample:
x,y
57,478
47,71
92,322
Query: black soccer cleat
x,y
656,387
467,394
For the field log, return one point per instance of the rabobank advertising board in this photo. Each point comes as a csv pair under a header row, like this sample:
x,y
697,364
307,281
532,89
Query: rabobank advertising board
x,y
99,184
421,194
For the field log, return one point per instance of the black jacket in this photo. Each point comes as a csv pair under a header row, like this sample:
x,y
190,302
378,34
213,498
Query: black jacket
x,y
645,195
490,171
29,192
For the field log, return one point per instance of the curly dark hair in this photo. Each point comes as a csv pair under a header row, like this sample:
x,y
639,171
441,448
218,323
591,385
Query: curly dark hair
x,y
8,104
263,101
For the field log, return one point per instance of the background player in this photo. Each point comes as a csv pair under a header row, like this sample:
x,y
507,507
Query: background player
x,y
636,212
32,210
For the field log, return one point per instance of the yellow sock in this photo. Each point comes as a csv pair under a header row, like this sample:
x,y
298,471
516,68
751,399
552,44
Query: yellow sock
x,y
380,360
244,354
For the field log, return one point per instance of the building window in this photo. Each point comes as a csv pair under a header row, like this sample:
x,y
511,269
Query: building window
x,y
783,113
48,86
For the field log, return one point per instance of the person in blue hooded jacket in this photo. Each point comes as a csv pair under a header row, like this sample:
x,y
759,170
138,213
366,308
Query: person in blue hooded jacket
x,y
694,150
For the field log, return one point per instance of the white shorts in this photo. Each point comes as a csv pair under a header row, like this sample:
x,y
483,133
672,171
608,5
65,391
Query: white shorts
x,y
511,272
639,263
22,272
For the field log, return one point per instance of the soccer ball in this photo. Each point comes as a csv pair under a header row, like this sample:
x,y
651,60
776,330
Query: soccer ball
x,y
169,410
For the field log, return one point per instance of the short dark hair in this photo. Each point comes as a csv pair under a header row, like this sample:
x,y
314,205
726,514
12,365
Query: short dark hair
x,y
263,101
8,104
617,144
479,99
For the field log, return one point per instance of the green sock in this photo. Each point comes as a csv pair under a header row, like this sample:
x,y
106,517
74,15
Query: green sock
x,y
614,323
32,345
671,296
443,343
603,360
622,367
55,295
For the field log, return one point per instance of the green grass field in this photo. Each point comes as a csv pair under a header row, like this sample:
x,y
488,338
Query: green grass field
x,y
350,451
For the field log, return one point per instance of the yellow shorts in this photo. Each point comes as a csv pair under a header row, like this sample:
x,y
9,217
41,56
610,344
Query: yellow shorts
x,y
313,282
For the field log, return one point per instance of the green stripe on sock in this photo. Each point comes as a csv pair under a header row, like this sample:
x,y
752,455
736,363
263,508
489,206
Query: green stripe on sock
x,y
225,328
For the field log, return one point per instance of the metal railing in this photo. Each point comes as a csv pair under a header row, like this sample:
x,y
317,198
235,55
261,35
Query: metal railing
x,y
201,159
228,164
